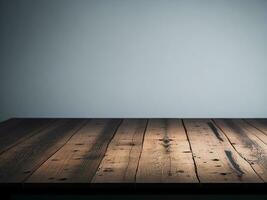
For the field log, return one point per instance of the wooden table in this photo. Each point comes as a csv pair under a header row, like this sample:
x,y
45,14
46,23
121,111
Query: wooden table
x,y
154,153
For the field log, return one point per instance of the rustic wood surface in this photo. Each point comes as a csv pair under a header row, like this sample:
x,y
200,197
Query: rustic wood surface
x,y
133,151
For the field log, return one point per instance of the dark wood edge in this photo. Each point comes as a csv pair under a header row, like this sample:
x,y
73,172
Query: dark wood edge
x,y
132,188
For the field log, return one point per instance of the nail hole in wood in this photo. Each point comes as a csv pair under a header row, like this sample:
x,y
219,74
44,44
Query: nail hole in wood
x,y
108,170
79,144
63,179
186,151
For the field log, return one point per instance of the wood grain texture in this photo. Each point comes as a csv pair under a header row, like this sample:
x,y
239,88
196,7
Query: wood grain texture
x,y
216,159
79,158
248,141
260,124
133,151
19,162
166,154
15,130
121,159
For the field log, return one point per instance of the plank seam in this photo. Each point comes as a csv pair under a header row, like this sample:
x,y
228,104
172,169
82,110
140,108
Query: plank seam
x,y
138,162
19,141
130,152
236,149
108,143
256,129
37,167
195,165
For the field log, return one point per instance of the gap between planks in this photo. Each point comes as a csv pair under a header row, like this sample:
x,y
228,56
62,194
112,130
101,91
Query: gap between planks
x,y
79,158
215,158
225,135
21,161
247,141
166,155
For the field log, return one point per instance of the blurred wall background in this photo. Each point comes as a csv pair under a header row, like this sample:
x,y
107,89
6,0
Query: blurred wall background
x,y
133,58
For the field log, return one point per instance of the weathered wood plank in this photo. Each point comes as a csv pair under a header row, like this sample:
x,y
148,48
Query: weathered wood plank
x,y
120,161
166,154
62,150
248,142
79,159
19,162
16,130
261,125
216,159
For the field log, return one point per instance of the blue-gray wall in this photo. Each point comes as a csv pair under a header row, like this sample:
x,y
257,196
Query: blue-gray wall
x,y
133,58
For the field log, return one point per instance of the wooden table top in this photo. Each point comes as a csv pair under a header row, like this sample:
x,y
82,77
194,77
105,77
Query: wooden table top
x,y
133,151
